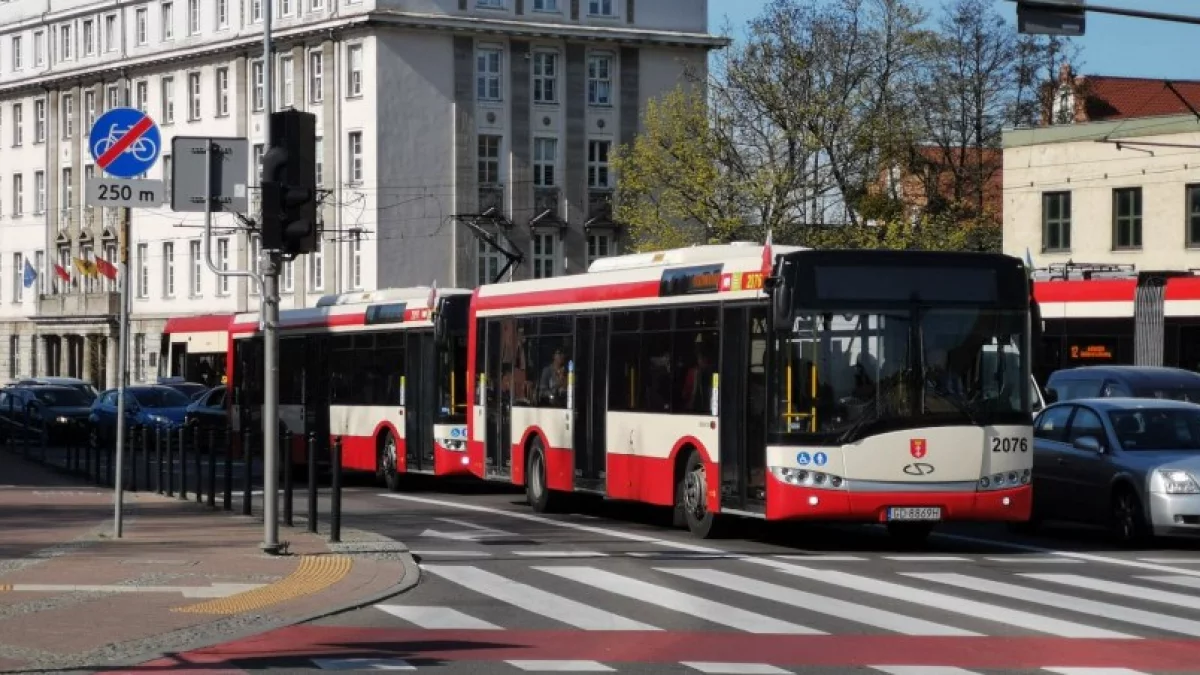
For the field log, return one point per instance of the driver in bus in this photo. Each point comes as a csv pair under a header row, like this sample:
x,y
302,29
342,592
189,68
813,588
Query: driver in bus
x,y
938,374
552,385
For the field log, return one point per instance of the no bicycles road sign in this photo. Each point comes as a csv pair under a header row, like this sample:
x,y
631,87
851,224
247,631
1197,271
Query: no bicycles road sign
x,y
125,142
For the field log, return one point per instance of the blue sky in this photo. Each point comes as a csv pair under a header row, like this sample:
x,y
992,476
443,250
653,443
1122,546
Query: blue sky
x,y
1114,45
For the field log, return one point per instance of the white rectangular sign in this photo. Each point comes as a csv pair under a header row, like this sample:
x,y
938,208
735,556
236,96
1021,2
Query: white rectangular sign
x,y
124,192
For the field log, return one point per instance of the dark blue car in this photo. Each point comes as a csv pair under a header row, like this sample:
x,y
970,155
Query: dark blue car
x,y
145,405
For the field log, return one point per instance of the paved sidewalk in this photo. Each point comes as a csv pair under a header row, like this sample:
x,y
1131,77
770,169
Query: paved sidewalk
x,y
183,575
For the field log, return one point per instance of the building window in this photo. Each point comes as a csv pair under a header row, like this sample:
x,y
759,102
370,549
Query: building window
x,y
143,270
256,13
1193,217
113,96
110,254
223,265
317,5
489,264
356,156
39,48
64,261
222,14
286,7
110,33
1056,221
18,293
545,5
356,263
319,156
287,279
543,255
88,256
168,100
39,266
316,266
545,154
89,107
255,259
89,37
39,121
68,116
14,356
18,122
168,254
1127,218
195,265
18,188
489,160
287,82
18,54
139,351
354,72
141,95
545,77
256,75
167,168
490,4
39,192
66,42
259,151
167,15
600,7
316,77
597,164
194,96
599,246
193,17
599,82
142,24
222,92
487,74
68,192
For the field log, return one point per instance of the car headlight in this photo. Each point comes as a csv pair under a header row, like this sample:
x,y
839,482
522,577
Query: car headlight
x,y
62,420
1176,482
158,419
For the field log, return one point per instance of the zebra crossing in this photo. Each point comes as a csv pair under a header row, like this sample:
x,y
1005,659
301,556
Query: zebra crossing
x,y
693,667
788,599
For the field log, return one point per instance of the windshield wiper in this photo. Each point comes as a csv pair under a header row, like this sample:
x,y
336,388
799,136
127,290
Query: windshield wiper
x,y
850,433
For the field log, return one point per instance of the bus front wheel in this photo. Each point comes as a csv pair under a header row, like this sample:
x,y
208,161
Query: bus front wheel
x,y
388,458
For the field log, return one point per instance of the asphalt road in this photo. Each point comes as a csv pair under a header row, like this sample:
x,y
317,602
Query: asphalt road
x,y
608,587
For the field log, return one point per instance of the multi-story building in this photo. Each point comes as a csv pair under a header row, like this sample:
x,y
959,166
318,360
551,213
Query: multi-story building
x,y
438,121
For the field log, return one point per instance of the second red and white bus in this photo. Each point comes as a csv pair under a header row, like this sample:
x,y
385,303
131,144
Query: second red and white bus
x,y
869,386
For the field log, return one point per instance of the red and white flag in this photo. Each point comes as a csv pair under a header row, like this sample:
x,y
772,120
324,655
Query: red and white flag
x,y
768,259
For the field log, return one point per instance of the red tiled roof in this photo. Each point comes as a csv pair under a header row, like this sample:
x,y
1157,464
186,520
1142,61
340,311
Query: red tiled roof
x,y
1114,98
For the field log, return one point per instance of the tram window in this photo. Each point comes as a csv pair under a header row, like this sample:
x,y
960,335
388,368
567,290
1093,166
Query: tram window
x,y
624,378
549,356
624,322
291,372
696,360
696,317
656,319
658,367
383,380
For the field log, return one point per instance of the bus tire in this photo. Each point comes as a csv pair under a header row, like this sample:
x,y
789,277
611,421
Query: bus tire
x,y
388,458
691,497
540,497
910,534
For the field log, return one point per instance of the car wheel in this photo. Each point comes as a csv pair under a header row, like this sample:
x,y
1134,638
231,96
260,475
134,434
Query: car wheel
x,y
1128,520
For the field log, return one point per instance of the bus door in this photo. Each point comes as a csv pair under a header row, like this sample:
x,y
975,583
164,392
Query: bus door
x,y
742,408
500,333
420,399
316,394
591,400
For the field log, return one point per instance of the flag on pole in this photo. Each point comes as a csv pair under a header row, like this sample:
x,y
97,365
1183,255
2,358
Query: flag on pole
x,y
768,258
106,268
30,274
62,273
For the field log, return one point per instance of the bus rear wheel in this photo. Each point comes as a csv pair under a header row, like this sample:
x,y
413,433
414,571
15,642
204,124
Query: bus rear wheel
x,y
540,496
691,497
388,450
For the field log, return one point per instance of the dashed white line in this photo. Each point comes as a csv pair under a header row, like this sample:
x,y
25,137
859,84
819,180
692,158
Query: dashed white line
x,y
735,668
560,554
363,664
926,558
821,558
437,618
560,666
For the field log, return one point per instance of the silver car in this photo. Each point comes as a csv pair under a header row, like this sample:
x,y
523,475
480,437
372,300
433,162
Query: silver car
x,y
1131,464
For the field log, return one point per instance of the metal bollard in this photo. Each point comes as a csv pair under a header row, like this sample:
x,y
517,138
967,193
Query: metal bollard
x,y
183,463
312,482
71,447
25,431
199,465
228,496
288,492
45,435
160,483
248,472
169,462
144,441
335,498
212,469
131,447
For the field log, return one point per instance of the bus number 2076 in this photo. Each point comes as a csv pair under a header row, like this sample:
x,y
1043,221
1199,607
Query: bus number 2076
x,y
1011,444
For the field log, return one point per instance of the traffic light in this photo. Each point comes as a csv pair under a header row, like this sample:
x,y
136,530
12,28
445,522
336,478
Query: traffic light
x,y
1059,17
289,184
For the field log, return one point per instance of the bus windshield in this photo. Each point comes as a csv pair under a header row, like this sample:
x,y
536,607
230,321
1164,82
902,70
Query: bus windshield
x,y
843,373
452,379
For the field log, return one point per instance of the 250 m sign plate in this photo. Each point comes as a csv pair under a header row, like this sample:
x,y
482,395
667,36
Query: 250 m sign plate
x,y
121,192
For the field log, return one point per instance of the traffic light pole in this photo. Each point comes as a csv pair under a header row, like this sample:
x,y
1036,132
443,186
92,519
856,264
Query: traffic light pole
x,y
270,316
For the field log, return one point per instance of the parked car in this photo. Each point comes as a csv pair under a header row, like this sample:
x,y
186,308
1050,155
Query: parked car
x,y
145,405
193,390
208,411
1123,381
73,382
1131,464
61,412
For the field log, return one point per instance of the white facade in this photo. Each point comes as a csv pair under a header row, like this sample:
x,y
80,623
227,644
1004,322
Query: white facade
x,y
1114,193
428,112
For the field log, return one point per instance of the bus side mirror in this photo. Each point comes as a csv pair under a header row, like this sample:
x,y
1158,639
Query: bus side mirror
x,y
1051,396
781,303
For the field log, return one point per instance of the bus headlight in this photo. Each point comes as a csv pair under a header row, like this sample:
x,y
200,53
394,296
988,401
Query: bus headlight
x,y
452,444
805,478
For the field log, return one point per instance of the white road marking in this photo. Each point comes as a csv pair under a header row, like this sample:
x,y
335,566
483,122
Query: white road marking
x,y
1169,561
363,664
922,670
820,604
534,599
560,554
1116,588
735,668
822,558
1094,608
561,666
1086,557
1020,560
437,618
453,554
1094,671
1186,582
927,558
683,603
950,603
690,555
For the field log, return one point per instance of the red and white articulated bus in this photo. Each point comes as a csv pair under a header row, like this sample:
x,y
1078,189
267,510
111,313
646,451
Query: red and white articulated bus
x,y
195,348
868,386
1107,314
384,370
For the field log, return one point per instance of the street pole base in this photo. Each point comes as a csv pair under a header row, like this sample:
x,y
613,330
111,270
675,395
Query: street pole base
x,y
275,549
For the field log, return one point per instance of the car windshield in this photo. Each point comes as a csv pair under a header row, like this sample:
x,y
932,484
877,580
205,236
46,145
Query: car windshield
x,y
160,397
1188,394
1157,429
63,397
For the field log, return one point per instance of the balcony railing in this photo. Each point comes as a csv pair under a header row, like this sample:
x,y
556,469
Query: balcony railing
x,y
599,206
99,303
491,197
546,199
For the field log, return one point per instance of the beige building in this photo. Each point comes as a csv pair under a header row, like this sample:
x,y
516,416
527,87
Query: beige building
x,y
1125,191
